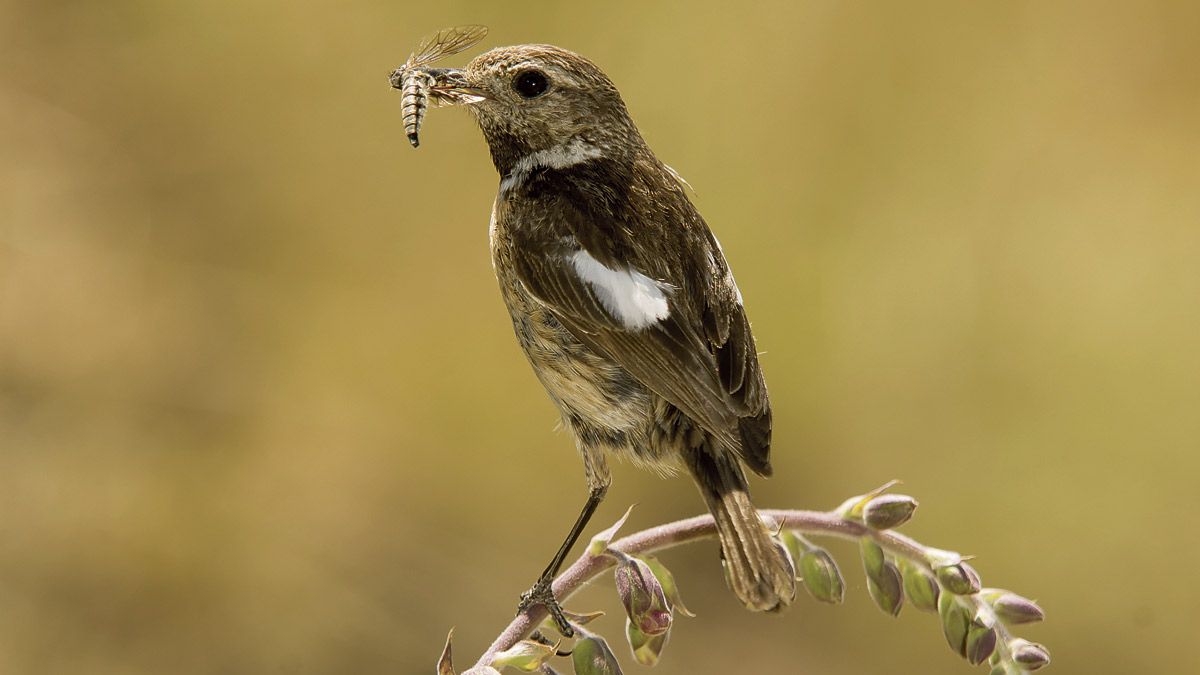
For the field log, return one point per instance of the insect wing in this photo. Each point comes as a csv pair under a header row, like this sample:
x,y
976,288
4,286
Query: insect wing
x,y
446,42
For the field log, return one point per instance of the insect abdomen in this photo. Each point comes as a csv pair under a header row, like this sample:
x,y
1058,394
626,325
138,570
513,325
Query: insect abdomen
x,y
414,102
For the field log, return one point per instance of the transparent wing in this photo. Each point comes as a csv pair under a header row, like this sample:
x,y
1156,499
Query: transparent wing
x,y
446,42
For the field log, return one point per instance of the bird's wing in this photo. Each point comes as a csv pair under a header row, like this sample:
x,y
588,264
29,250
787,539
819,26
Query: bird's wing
x,y
689,342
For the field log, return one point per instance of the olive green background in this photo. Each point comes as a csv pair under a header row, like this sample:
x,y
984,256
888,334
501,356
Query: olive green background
x,y
261,409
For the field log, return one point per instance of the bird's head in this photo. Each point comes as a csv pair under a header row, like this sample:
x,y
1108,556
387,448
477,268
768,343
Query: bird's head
x,y
539,98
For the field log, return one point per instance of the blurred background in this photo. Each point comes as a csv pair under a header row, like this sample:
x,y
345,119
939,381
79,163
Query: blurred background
x,y
261,409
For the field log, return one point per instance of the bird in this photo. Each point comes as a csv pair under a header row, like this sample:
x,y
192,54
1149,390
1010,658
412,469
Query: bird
x,y
623,302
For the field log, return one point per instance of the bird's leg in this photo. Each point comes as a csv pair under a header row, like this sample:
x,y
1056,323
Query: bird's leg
x,y
541,593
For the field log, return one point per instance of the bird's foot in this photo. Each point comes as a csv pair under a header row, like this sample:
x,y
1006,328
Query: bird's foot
x,y
542,594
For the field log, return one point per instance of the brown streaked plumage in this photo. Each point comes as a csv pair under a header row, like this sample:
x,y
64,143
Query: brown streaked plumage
x,y
622,299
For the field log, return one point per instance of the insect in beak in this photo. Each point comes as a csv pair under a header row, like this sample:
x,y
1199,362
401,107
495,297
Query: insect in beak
x,y
451,86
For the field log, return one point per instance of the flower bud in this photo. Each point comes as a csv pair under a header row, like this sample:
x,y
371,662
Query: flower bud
x,y
872,556
643,596
959,578
821,576
481,670
956,622
1014,609
670,588
886,588
646,648
1030,655
526,656
592,656
920,586
887,511
981,640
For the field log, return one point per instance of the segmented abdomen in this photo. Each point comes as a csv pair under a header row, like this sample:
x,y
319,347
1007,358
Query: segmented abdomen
x,y
414,102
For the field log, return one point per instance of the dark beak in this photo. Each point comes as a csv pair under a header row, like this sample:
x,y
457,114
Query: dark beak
x,y
451,87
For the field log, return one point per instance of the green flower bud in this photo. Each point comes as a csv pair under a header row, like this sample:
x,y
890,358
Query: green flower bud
x,y
872,556
1014,609
646,648
887,589
821,576
643,596
592,656
480,670
959,578
956,622
920,586
1030,655
981,640
670,588
887,511
526,656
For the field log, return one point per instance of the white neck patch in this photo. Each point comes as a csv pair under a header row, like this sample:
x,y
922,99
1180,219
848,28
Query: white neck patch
x,y
574,151
633,298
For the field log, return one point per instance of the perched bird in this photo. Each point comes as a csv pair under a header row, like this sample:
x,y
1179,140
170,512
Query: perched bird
x,y
622,299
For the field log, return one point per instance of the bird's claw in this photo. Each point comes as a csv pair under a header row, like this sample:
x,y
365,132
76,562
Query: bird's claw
x,y
542,594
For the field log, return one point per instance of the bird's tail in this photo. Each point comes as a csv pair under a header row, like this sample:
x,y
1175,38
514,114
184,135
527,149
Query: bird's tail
x,y
755,566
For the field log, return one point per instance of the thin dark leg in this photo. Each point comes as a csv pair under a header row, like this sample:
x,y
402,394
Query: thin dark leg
x,y
541,593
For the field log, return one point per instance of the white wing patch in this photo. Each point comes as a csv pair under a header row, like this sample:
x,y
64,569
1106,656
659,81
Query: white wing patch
x,y
631,297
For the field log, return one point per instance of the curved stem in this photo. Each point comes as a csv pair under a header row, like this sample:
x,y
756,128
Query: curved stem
x,y
668,535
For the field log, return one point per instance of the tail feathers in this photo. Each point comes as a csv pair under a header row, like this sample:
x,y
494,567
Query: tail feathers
x,y
756,568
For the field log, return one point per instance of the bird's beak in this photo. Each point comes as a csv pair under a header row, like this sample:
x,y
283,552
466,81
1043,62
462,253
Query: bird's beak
x,y
451,87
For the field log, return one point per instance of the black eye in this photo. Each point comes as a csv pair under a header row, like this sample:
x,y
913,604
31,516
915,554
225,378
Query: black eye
x,y
531,84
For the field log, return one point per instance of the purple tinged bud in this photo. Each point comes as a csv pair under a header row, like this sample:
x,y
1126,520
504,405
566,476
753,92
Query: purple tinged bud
x,y
921,587
959,578
887,511
1029,655
887,588
643,596
956,622
821,576
981,640
1014,609
646,648
591,656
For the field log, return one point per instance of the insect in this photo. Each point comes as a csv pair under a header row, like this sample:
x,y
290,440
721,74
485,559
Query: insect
x,y
415,81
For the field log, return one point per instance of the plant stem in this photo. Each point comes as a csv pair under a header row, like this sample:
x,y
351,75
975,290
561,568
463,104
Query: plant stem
x,y
669,535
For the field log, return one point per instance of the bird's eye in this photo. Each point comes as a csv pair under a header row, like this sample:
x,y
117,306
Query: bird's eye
x,y
531,84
